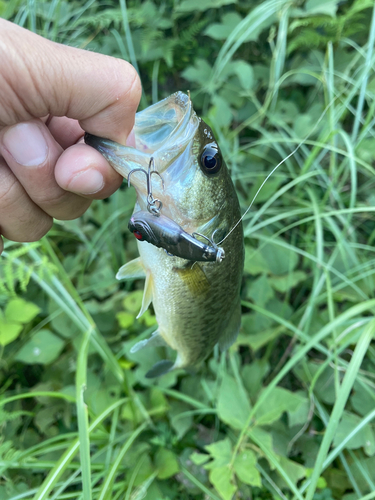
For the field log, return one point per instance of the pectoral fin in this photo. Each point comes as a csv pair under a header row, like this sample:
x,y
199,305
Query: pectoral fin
x,y
195,279
160,368
156,340
131,270
147,294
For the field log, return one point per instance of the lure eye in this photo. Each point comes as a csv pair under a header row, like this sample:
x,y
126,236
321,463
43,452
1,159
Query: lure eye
x,y
138,235
211,159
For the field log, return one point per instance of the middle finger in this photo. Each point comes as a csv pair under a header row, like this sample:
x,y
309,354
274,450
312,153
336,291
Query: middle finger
x,y
31,153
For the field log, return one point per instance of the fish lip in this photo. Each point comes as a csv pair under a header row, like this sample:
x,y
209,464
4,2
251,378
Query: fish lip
x,y
162,131
95,142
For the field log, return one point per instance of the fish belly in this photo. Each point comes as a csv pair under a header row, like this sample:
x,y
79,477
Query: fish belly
x,y
194,304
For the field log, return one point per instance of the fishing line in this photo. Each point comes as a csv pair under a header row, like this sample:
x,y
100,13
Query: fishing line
x,y
278,165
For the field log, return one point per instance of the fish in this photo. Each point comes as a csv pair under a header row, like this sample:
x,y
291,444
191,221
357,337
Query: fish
x,y
189,231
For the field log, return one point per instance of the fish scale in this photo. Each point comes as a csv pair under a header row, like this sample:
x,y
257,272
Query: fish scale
x,y
197,304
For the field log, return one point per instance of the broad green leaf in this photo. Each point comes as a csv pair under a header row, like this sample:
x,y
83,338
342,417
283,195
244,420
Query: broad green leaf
x,y
220,113
9,332
201,5
285,283
265,437
294,470
166,463
278,401
221,31
44,347
361,400
158,402
253,375
261,193
260,290
62,323
367,150
298,415
245,468
20,311
221,453
45,418
328,7
233,406
285,112
133,301
258,340
364,438
180,421
280,260
125,319
199,73
254,261
245,74
221,479
199,458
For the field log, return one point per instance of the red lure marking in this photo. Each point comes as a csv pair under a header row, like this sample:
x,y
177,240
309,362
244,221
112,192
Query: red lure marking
x,y
138,235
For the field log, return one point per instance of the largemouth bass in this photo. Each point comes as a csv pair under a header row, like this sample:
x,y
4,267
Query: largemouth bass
x,y
196,300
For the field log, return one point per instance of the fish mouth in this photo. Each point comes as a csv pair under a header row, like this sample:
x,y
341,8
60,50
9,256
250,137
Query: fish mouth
x,y
162,132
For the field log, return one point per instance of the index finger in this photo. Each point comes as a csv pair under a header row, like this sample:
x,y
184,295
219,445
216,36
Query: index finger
x,y
100,91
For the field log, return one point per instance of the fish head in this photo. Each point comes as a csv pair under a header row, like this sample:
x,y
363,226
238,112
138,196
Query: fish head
x,y
195,180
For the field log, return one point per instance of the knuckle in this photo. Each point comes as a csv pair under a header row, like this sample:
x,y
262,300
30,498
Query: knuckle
x,y
41,228
75,211
21,220
50,198
131,91
34,230
9,190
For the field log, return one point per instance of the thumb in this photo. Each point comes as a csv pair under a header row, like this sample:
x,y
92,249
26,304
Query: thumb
x,y
39,77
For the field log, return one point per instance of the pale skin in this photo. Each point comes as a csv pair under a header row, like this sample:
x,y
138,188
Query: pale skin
x,y
50,95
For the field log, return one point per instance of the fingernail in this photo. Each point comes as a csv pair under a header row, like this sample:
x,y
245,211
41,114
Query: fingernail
x,y
26,143
87,182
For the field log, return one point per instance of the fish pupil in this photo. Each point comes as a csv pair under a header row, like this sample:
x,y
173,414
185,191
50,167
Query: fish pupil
x,y
138,235
209,161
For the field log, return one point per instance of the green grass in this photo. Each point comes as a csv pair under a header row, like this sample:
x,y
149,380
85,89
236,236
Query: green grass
x,y
288,413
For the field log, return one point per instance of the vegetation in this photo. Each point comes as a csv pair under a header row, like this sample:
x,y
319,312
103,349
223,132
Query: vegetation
x,y
288,412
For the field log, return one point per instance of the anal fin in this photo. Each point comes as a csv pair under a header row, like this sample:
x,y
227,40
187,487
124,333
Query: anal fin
x,y
156,340
131,270
160,368
147,294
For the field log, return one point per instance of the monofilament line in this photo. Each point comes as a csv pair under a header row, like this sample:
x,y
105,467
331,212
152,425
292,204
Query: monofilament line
x,y
277,166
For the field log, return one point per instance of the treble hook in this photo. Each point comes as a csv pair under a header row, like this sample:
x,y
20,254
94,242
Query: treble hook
x,y
154,205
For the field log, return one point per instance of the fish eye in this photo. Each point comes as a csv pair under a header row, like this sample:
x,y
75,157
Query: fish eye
x,y
210,159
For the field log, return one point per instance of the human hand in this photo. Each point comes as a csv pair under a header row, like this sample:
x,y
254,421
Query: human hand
x,y
50,94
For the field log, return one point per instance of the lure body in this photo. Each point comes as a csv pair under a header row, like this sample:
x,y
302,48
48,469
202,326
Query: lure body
x,y
196,303
163,232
